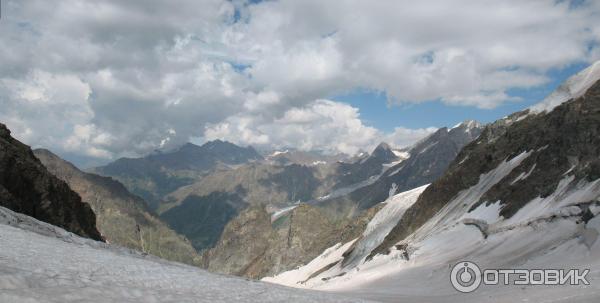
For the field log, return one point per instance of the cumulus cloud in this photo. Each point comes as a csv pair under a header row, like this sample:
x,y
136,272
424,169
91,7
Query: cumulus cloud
x,y
111,78
462,52
405,137
324,125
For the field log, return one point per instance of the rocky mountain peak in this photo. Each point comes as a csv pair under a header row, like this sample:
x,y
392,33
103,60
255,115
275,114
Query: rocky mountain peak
x,y
4,131
384,152
382,147
27,187
189,146
467,125
560,147
575,87
165,172
459,135
218,143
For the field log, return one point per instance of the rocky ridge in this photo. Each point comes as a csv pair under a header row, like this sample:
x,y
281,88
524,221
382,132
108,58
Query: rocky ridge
x,y
122,218
27,187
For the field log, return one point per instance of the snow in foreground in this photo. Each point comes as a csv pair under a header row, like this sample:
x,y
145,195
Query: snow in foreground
x,y
547,233
43,263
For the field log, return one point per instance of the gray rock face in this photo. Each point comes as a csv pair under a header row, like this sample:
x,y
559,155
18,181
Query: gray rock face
x,y
428,161
122,218
564,142
252,246
27,187
347,174
243,245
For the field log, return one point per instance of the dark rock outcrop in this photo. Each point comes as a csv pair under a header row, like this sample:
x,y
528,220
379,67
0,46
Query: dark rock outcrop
x,y
347,174
27,187
564,142
122,217
254,247
243,244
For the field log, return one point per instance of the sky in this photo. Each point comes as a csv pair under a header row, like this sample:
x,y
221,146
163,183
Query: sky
x,y
97,80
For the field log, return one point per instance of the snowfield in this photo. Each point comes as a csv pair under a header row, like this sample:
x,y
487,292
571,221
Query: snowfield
x,y
573,88
375,232
43,263
548,233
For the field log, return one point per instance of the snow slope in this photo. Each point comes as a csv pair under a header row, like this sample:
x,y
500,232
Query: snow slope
x,y
43,263
298,276
574,87
546,233
381,224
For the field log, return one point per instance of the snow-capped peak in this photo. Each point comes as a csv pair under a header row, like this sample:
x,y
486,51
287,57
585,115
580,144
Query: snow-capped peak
x,y
574,87
467,125
383,151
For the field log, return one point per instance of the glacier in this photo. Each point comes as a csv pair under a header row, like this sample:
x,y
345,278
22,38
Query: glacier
x,y
546,233
43,263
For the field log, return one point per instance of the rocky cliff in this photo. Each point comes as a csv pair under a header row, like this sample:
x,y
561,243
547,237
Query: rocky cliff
x,y
27,187
562,147
122,218
253,246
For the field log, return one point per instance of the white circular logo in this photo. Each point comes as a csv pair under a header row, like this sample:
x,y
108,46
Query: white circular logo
x,y
465,276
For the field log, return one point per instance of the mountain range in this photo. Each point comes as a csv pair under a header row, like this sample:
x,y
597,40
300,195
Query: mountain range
x,y
301,231
197,190
524,194
121,217
521,192
153,176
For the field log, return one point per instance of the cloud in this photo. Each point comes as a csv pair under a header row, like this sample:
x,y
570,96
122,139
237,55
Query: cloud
x,y
324,125
405,137
31,108
462,52
114,78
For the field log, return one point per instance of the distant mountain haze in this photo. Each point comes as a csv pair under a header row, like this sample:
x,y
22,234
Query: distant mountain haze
x,y
156,175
